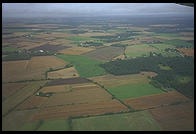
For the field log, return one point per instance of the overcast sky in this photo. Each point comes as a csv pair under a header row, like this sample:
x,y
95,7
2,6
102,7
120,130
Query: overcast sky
x,y
91,9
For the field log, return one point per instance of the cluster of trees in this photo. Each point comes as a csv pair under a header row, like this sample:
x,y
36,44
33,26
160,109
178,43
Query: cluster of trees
x,y
181,66
23,54
180,43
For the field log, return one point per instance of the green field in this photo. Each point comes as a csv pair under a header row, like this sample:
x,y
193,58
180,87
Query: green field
x,y
86,67
137,121
54,125
134,90
30,126
9,49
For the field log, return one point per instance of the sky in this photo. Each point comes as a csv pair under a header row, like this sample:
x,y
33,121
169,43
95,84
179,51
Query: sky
x,y
91,9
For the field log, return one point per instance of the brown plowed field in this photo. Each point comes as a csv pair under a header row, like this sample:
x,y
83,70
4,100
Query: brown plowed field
x,y
151,101
67,81
32,102
34,68
62,112
113,81
63,73
187,51
175,117
76,96
11,88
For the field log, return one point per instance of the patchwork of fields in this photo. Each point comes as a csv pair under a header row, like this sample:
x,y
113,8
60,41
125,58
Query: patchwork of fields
x,y
55,79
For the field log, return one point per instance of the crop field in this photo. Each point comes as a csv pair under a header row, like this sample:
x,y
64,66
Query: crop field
x,y
137,121
32,103
79,95
105,53
63,73
62,112
187,51
175,117
134,90
67,87
75,50
67,81
155,100
54,125
85,66
48,47
29,69
98,72
109,81
139,50
9,89
20,96
15,119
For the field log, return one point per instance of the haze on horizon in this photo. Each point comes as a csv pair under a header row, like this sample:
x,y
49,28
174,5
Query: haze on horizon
x,y
29,10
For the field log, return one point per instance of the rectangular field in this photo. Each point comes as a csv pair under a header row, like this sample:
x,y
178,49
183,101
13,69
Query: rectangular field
x,y
175,117
134,90
63,73
62,112
85,66
105,53
109,80
75,50
137,121
67,81
67,87
34,68
156,100
79,96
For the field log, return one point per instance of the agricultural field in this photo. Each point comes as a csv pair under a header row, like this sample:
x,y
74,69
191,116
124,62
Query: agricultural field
x,y
105,53
156,100
61,112
175,117
109,81
63,73
20,96
110,72
76,50
187,51
136,121
134,90
85,66
34,68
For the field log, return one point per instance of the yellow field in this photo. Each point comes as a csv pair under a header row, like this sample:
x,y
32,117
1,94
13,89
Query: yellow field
x,y
64,73
111,81
76,50
34,68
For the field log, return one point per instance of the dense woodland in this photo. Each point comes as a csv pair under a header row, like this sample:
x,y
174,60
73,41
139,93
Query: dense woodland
x,y
181,67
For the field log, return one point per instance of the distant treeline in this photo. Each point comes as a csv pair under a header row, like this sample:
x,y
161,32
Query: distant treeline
x,y
181,67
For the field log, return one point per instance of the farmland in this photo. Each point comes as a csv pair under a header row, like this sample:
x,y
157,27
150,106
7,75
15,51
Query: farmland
x,y
98,73
105,54
86,67
133,90
123,122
